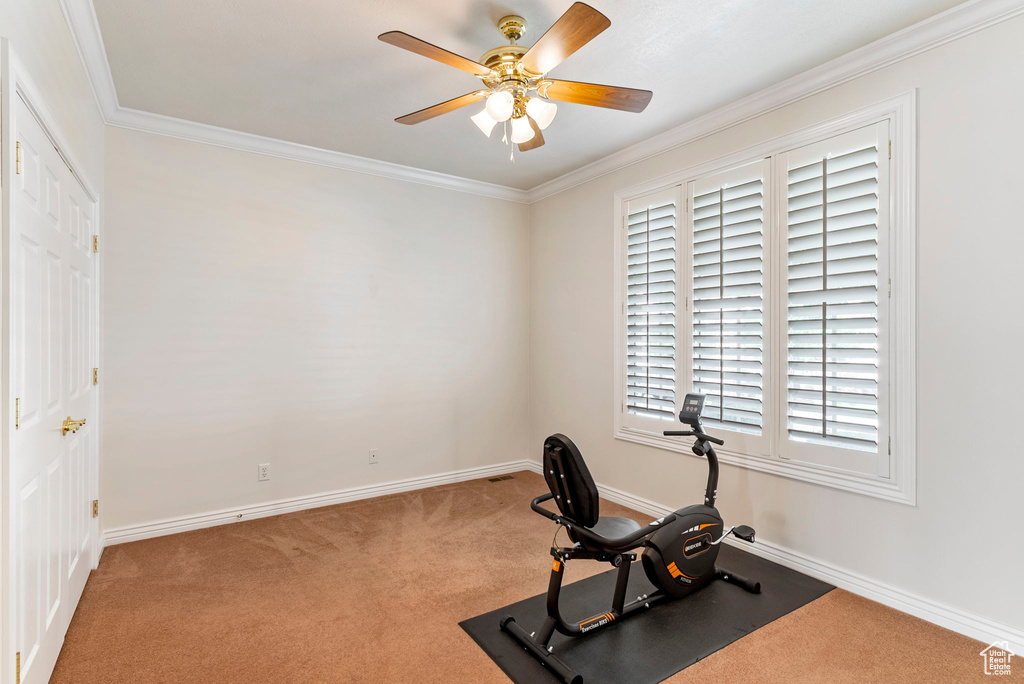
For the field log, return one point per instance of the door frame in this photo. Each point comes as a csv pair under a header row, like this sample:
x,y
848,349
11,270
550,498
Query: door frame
x,y
15,82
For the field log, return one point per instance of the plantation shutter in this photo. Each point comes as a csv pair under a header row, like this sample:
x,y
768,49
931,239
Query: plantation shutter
x,y
836,228
728,340
650,309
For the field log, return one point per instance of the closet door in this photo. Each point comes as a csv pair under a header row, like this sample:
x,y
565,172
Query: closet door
x,y
53,315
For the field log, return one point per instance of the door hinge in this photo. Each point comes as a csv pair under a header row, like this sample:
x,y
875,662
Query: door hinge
x,y
890,446
95,376
17,157
17,668
890,149
17,413
890,288
95,508
95,243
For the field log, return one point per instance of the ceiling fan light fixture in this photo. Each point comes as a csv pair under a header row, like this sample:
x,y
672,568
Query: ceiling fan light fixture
x,y
509,72
500,105
484,121
542,111
522,131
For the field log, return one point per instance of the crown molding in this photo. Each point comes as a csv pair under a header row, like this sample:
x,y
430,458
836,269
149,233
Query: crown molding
x,y
85,32
940,29
159,124
80,16
943,28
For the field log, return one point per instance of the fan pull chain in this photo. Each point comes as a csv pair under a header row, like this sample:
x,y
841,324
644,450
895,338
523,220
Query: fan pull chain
x,y
504,139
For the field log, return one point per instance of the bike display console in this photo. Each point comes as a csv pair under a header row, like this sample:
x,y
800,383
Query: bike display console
x,y
693,405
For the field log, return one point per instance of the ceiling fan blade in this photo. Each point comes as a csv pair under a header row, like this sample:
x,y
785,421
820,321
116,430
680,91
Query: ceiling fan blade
x,y
422,47
443,108
610,97
536,141
579,25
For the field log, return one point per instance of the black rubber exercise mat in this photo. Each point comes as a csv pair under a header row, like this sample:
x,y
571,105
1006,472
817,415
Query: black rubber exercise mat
x,y
651,646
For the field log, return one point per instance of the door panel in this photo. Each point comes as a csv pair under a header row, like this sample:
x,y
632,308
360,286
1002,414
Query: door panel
x,y
52,354
53,199
86,342
74,333
30,569
51,334
28,360
51,572
78,550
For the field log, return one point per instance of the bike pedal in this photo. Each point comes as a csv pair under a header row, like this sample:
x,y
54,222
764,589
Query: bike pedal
x,y
744,532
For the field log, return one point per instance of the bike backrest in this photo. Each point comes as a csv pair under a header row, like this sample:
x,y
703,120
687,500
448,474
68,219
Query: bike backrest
x,y
569,480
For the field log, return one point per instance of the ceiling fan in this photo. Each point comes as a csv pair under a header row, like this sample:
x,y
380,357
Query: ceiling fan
x,y
516,87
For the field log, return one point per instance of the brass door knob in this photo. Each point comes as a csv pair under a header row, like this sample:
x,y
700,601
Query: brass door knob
x,y
71,425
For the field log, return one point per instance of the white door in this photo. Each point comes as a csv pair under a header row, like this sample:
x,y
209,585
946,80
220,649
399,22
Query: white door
x,y
53,318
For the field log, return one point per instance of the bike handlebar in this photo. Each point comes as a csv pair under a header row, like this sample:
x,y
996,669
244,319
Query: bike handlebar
x,y
690,433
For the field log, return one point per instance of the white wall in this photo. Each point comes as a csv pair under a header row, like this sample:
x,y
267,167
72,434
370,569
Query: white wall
x,y
261,310
961,544
39,35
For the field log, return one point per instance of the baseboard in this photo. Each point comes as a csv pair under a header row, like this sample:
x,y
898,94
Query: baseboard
x,y
956,619
120,535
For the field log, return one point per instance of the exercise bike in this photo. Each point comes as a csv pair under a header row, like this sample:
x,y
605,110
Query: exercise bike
x,y
679,550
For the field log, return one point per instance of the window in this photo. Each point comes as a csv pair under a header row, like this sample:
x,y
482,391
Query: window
x,y
835,336
650,306
727,301
765,284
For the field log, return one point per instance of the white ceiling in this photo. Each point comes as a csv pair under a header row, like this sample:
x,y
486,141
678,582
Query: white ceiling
x,y
313,71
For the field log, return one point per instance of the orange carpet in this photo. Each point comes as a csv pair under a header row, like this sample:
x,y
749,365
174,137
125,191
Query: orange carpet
x,y
373,591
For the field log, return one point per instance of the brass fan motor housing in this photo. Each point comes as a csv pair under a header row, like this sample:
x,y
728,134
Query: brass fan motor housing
x,y
503,54
507,73
504,59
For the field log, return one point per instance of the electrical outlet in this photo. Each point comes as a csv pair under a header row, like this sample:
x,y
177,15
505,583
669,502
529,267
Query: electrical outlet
x,y
264,472
373,456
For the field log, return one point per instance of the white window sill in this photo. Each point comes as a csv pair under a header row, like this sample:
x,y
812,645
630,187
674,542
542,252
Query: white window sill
x,y
881,488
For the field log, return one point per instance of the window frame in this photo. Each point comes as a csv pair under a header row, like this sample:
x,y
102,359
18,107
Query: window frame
x,y
901,447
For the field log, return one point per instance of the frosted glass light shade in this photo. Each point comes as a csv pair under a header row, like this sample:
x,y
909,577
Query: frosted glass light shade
x,y
522,131
499,105
484,122
542,111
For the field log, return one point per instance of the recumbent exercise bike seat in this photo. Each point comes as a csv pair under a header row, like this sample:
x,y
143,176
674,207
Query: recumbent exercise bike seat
x,y
576,495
